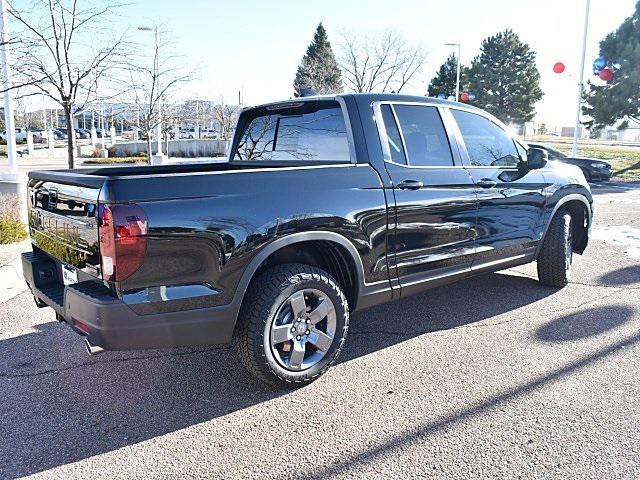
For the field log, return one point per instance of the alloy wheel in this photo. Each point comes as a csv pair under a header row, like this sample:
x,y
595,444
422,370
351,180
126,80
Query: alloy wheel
x,y
302,330
568,249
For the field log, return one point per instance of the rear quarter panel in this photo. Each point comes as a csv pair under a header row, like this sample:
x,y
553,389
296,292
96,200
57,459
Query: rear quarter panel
x,y
205,229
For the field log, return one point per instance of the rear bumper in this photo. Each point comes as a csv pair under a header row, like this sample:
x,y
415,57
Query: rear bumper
x,y
94,312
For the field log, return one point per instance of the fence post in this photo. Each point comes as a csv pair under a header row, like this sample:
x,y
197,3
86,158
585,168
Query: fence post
x,y
50,141
29,143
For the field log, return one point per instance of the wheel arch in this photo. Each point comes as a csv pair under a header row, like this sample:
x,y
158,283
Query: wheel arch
x,y
327,250
581,214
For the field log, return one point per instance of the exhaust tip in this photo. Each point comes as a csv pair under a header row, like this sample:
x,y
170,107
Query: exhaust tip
x,y
91,348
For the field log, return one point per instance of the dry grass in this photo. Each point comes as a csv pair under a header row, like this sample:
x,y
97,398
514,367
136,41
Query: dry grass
x,y
9,207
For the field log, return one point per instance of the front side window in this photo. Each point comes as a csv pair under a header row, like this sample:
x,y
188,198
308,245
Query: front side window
x,y
306,132
487,144
424,136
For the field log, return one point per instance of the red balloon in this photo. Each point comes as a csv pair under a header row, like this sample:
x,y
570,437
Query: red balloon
x,y
464,96
558,67
606,74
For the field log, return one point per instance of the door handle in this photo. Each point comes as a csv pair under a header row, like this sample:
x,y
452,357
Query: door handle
x,y
486,183
410,185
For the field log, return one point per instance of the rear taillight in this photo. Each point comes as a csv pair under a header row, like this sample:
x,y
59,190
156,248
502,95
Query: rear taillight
x,y
123,240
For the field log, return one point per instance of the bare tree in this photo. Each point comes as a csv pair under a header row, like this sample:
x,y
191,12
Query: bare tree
x,y
379,63
258,139
173,115
153,82
226,116
197,112
62,48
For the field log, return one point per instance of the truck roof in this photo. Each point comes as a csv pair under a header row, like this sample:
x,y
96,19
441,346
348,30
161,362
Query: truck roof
x,y
370,97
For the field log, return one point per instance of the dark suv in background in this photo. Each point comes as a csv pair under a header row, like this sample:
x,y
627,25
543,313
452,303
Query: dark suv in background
x,y
593,169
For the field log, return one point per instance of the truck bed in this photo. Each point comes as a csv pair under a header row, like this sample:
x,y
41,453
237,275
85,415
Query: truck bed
x,y
95,177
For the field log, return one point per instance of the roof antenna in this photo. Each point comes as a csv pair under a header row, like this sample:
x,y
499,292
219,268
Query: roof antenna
x,y
308,92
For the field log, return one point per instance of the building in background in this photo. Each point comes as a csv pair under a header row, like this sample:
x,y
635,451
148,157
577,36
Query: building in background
x,y
188,115
624,131
568,132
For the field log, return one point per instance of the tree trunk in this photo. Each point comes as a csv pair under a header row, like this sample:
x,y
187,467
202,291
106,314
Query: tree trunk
x,y
148,132
71,134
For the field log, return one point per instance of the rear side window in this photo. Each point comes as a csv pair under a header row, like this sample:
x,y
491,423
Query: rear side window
x,y
487,144
393,135
424,136
306,132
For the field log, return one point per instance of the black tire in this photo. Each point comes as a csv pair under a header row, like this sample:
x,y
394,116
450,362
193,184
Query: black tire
x,y
587,174
265,298
555,257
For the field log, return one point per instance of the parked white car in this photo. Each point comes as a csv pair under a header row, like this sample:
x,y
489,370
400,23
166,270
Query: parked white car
x,y
209,134
188,133
21,135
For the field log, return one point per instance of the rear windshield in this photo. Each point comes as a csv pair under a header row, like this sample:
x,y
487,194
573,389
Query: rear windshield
x,y
302,131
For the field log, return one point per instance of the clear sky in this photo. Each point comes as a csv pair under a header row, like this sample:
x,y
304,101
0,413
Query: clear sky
x,y
257,45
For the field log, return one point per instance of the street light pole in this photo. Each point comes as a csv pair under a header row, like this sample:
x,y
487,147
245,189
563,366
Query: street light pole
x,y
457,69
8,98
159,127
574,149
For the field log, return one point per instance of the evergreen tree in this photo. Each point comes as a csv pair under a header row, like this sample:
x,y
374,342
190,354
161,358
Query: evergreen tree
x,y
505,79
445,80
319,69
620,98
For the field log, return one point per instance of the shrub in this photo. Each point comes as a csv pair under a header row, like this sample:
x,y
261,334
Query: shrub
x,y
108,161
115,152
96,153
11,228
11,231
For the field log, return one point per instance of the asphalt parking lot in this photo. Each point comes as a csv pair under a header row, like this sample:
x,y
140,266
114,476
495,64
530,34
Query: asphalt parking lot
x,y
493,377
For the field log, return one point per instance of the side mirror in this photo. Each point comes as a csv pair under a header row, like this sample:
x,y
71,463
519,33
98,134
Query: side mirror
x,y
536,158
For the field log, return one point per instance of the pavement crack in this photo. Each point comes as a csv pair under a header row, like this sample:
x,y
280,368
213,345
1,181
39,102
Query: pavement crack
x,y
619,287
573,282
104,362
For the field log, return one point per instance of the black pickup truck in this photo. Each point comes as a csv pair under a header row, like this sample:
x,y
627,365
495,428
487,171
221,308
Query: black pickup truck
x,y
327,205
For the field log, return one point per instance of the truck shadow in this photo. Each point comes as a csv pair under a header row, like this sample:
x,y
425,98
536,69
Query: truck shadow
x,y
419,434
60,406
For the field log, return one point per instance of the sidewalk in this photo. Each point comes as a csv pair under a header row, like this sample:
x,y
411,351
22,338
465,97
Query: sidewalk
x,y
11,280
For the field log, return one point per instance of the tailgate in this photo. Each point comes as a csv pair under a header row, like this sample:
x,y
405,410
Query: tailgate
x,y
63,220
